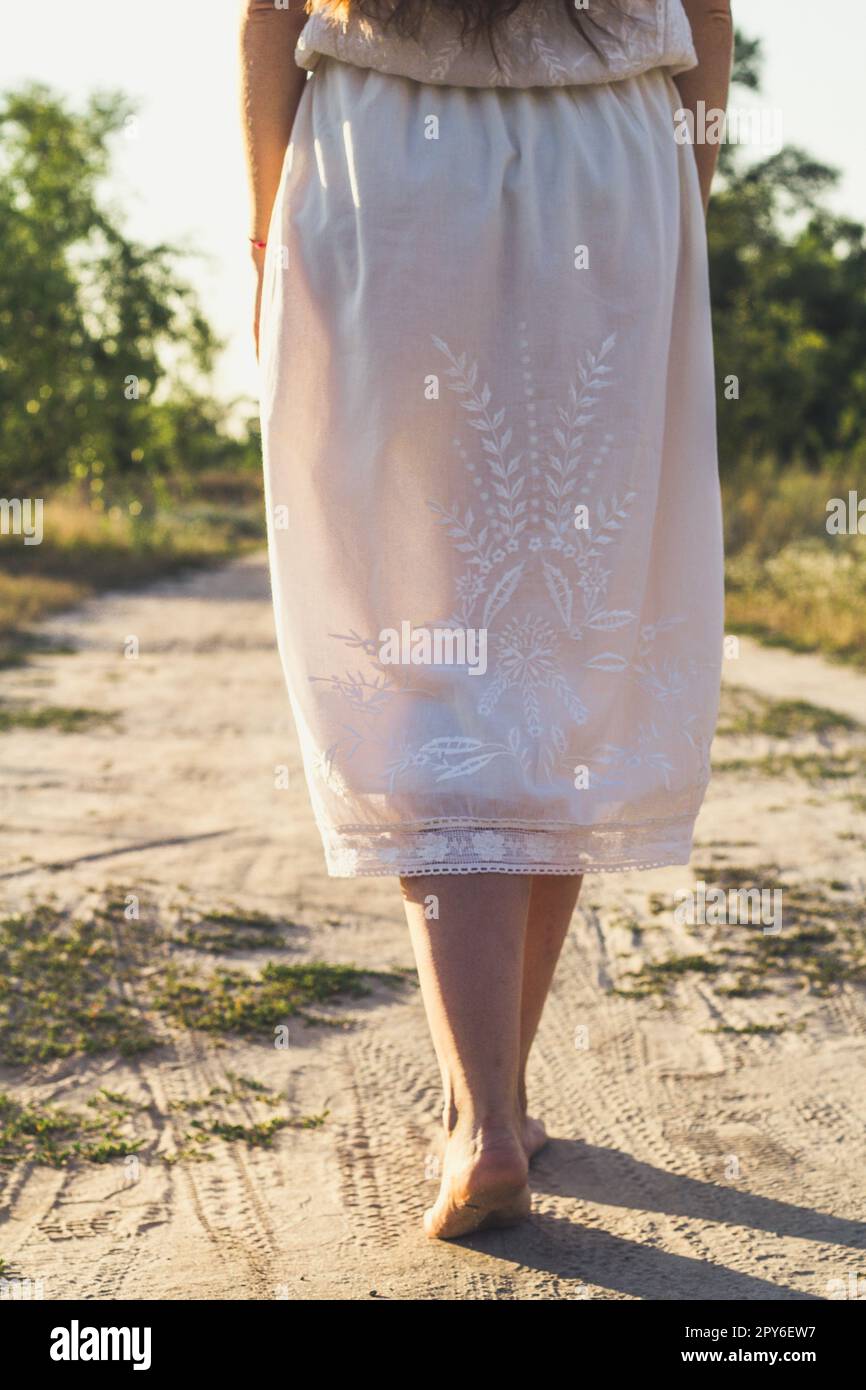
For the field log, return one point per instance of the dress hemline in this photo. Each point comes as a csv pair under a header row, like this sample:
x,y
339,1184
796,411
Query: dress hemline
x,y
561,870
500,848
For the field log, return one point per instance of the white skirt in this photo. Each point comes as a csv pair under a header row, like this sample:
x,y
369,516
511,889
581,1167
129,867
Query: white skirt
x,y
493,506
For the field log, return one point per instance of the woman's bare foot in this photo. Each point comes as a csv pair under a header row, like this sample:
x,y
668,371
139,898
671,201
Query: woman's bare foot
x,y
484,1184
535,1136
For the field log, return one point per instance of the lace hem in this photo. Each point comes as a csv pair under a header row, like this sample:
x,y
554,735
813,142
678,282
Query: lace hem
x,y
497,849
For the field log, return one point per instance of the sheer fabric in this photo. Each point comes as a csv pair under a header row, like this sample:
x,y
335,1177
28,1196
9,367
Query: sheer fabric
x,y
488,408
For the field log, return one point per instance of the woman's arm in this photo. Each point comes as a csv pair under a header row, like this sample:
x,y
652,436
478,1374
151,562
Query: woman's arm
x,y
271,87
713,33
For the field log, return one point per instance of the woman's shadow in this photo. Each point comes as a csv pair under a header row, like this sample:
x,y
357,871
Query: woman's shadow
x,y
590,1256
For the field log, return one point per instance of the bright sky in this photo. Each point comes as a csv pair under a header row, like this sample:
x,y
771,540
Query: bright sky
x,y
181,179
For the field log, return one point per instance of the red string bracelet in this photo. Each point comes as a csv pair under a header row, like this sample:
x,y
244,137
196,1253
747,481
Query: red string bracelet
x,y
259,245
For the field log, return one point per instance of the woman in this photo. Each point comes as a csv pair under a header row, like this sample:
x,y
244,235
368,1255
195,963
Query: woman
x,y
491,481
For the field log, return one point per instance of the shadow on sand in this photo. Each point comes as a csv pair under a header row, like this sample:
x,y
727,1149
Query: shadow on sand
x,y
587,1255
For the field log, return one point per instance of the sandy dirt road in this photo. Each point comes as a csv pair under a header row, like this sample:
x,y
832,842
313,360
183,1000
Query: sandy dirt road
x,y
708,1142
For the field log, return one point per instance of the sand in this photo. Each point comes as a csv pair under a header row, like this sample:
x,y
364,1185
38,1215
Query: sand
x,y
686,1162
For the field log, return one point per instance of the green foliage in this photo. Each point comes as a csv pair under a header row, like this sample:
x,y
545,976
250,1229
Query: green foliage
x,y
67,719
99,984
55,1136
63,989
789,306
231,1002
746,714
84,310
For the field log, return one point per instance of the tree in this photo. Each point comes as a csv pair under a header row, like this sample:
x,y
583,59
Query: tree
x,y
789,305
89,319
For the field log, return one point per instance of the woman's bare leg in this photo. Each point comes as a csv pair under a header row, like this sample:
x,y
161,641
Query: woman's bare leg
x,y
468,933
551,906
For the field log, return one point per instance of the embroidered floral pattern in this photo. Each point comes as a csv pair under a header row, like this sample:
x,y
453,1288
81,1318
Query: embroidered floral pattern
x,y
537,519
522,546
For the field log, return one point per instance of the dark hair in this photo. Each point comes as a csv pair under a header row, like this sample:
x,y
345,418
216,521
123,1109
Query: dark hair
x,y
477,17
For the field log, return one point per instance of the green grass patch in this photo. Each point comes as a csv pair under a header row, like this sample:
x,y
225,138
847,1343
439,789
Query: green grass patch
x,y
259,1135
214,1124
820,944
64,719
738,875
820,956
807,594
655,977
219,932
747,714
751,1030
232,1002
102,984
743,989
64,988
101,1132
813,768
55,1136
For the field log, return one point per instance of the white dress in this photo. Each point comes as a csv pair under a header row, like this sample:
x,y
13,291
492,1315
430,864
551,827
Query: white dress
x,y
489,439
